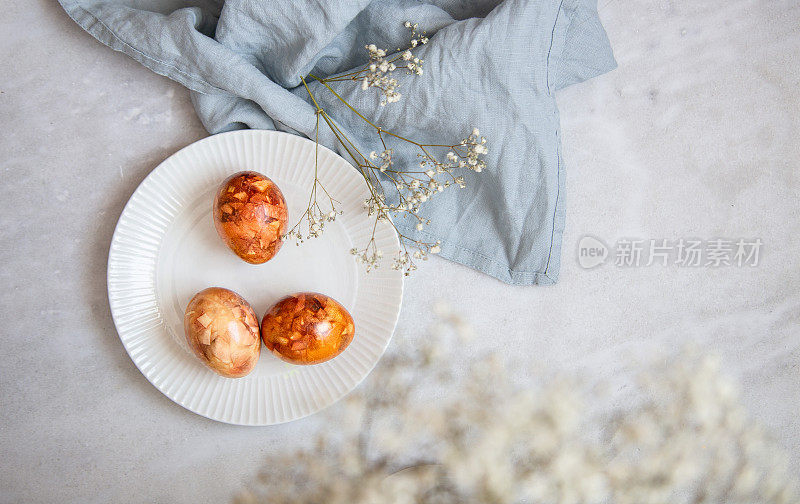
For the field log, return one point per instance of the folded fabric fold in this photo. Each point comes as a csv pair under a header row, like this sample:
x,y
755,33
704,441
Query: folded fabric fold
x,y
494,67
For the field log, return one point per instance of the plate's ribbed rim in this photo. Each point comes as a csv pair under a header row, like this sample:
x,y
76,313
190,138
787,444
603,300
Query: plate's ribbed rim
x,y
253,400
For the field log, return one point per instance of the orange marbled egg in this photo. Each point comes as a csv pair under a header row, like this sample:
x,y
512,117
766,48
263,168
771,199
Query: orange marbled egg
x,y
250,215
222,331
307,328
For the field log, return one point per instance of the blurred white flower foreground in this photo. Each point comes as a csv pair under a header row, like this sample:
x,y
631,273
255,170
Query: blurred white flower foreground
x,y
482,440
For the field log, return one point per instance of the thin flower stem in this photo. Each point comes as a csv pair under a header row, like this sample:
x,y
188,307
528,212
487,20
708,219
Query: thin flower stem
x,y
342,139
380,130
339,135
311,94
414,187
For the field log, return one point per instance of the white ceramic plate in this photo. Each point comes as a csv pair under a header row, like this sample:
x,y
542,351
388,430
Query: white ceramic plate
x,y
165,249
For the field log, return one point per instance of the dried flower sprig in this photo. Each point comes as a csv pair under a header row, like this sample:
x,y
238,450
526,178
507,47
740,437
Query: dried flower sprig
x,y
486,440
413,187
378,73
312,223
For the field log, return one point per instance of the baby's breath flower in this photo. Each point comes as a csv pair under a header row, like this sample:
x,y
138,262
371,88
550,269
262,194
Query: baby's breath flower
x,y
414,188
312,223
378,75
370,256
379,70
479,438
384,158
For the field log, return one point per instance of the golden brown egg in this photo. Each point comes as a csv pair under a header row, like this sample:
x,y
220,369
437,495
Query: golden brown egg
x,y
307,328
222,330
250,215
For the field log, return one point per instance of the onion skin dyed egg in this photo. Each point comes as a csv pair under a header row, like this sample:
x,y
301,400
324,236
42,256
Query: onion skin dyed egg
x,y
222,331
250,215
307,328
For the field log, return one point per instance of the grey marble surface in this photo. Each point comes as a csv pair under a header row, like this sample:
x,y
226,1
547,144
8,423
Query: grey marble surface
x,y
695,135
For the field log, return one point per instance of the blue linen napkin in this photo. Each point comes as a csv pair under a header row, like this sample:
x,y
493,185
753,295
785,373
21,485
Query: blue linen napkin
x,y
490,65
